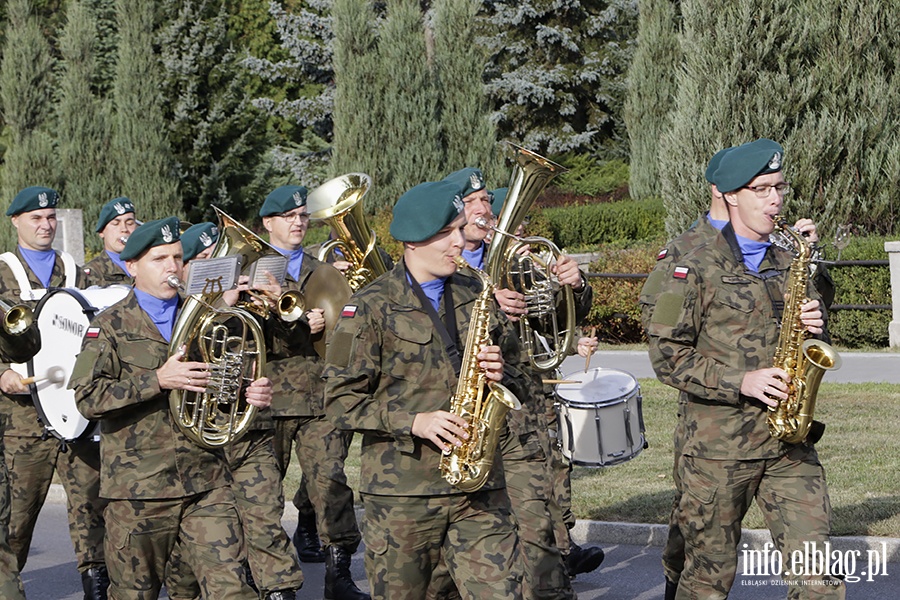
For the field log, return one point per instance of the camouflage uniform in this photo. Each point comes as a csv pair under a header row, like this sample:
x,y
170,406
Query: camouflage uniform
x,y
386,364
299,412
31,458
102,271
10,581
714,321
166,494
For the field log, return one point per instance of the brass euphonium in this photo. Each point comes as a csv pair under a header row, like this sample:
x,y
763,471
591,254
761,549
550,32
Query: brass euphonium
x,y
20,339
481,403
230,339
805,360
339,202
529,272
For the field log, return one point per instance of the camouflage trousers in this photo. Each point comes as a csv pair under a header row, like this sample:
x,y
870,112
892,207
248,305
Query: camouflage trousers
x,y
256,484
31,462
560,504
203,530
10,581
321,450
673,552
792,494
474,534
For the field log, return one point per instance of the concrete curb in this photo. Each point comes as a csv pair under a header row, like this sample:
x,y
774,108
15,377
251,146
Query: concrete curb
x,y
642,534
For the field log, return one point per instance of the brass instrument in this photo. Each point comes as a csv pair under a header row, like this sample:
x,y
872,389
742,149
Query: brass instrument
x,y
805,360
20,339
529,272
482,403
339,202
228,338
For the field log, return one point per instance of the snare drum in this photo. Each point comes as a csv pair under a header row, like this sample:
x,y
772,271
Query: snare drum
x,y
62,318
600,418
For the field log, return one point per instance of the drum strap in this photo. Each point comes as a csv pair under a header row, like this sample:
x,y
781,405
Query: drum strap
x,y
27,293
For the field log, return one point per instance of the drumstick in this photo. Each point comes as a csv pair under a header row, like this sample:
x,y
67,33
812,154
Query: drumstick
x,y
587,361
559,381
53,375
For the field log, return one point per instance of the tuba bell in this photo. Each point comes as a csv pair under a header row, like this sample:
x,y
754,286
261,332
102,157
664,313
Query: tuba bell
x,y
339,202
530,272
230,339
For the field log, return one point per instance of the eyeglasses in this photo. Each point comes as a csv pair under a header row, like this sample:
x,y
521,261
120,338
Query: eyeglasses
x,y
763,191
291,217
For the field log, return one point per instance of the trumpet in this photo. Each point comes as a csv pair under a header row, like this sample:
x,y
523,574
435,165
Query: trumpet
x,y
20,339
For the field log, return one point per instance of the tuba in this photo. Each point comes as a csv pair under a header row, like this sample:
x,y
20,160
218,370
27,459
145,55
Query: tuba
x,y
483,404
339,202
529,272
230,339
805,360
20,339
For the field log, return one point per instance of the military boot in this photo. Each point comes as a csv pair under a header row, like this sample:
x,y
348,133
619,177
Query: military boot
x,y
306,541
95,582
338,581
583,560
282,595
671,589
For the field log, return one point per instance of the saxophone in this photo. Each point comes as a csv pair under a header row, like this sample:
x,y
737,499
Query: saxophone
x,y
805,360
483,404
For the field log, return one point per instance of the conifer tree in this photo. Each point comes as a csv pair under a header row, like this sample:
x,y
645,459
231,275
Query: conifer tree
x,y
651,88
140,145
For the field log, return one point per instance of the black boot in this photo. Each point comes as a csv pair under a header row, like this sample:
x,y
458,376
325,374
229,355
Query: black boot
x,y
338,581
95,582
671,588
282,595
583,560
306,541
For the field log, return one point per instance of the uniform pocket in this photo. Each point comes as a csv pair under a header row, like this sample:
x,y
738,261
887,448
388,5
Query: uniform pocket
x,y
375,539
407,337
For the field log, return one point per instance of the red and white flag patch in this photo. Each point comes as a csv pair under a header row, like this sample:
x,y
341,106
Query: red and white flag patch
x,y
349,311
662,254
680,273
92,333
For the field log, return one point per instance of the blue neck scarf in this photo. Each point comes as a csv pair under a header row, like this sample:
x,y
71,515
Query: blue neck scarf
x,y
41,263
114,256
716,222
753,252
475,257
434,290
295,261
161,312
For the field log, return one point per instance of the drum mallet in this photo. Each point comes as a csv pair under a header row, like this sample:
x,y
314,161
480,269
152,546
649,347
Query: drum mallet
x,y
587,361
53,375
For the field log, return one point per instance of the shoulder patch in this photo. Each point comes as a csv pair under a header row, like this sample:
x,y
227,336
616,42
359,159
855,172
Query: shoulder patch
x,y
680,272
668,309
349,311
92,333
662,254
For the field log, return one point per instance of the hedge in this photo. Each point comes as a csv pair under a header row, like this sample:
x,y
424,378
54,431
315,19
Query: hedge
x,y
583,227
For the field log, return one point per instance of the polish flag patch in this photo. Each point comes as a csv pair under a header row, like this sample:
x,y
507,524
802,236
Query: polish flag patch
x,y
662,254
680,273
92,333
349,311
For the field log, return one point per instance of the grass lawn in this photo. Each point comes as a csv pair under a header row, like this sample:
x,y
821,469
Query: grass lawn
x,y
861,462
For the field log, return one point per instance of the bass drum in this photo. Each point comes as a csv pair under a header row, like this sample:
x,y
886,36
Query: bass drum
x,y
600,418
62,317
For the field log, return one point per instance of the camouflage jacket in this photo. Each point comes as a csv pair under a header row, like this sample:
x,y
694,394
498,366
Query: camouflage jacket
x,y
144,455
102,271
21,415
386,364
715,321
295,368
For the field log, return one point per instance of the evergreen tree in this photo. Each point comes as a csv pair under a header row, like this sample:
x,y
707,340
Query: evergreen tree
x,y
215,137
83,133
651,90
103,13
469,138
140,144
556,72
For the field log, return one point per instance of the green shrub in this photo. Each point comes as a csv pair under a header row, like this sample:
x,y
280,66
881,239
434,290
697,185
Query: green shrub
x,y
861,285
590,177
591,225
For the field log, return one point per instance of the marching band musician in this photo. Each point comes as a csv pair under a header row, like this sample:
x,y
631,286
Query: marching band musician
x,y
390,376
114,225
298,402
31,456
712,334
255,475
165,493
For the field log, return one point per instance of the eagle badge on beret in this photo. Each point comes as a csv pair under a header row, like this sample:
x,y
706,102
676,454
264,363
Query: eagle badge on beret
x,y
166,234
119,208
42,200
206,239
458,203
298,199
775,162
475,181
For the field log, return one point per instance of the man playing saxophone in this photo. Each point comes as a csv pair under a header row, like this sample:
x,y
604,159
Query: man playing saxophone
x,y
115,223
713,335
391,370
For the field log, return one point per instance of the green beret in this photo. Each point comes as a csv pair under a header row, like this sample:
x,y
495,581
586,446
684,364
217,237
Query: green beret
x,y
150,235
714,163
424,210
742,164
468,180
498,197
283,199
33,198
198,238
112,209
